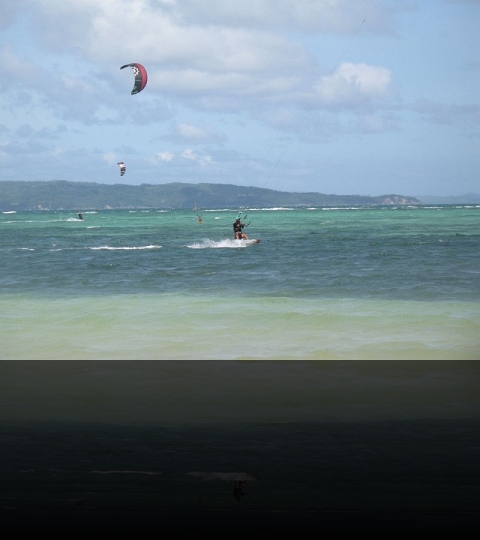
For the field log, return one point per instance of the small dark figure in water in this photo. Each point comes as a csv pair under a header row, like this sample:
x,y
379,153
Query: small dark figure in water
x,y
80,215
238,492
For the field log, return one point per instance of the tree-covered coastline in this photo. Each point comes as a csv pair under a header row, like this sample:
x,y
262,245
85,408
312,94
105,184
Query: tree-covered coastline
x,y
66,195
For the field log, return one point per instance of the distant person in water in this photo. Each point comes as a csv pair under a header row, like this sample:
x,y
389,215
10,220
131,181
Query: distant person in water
x,y
200,219
80,215
238,492
238,225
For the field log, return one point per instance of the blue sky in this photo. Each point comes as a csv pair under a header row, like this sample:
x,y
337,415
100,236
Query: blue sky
x,y
365,97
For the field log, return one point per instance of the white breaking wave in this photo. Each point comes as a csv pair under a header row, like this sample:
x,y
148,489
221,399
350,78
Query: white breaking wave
x,y
112,248
227,243
275,209
126,472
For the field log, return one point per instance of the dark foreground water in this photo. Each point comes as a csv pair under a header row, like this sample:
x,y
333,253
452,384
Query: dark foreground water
x,y
320,445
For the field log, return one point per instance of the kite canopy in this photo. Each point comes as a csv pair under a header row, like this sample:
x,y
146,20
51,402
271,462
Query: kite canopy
x,y
123,167
140,76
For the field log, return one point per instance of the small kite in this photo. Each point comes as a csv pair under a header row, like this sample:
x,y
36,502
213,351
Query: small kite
x,y
123,167
140,77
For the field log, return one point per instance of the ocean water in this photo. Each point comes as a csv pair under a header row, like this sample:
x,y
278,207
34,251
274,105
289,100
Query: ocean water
x,y
349,283
299,406
105,440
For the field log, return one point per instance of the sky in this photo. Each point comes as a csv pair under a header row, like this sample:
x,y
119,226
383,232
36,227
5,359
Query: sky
x,y
366,97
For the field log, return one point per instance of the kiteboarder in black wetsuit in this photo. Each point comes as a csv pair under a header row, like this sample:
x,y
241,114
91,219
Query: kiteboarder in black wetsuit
x,y
80,215
238,225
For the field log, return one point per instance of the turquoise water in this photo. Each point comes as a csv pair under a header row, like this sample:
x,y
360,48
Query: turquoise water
x,y
324,283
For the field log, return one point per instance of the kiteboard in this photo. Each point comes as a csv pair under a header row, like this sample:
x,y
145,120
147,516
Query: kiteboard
x,y
251,242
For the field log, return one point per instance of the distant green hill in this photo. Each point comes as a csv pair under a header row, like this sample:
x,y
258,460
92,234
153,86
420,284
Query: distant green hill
x,y
65,195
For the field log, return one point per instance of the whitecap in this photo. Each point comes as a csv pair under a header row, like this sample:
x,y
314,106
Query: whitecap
x,y
126,472
128,248
227,243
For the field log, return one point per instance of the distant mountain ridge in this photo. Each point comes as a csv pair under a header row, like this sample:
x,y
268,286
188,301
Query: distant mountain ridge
x,y
66,195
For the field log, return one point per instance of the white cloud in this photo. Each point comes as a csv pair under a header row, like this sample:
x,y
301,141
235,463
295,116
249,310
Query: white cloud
x,y
151,33
352,83
192,132
165,156
189,154
197,134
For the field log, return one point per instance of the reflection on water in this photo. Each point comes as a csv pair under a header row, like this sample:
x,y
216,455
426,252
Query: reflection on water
x,y
428,466
263,438
240,481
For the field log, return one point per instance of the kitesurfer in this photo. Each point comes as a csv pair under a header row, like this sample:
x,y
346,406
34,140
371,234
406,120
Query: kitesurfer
x,y
238,225
80,215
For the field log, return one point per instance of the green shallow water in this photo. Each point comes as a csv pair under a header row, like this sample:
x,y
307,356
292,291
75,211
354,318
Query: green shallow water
x,y
169,327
